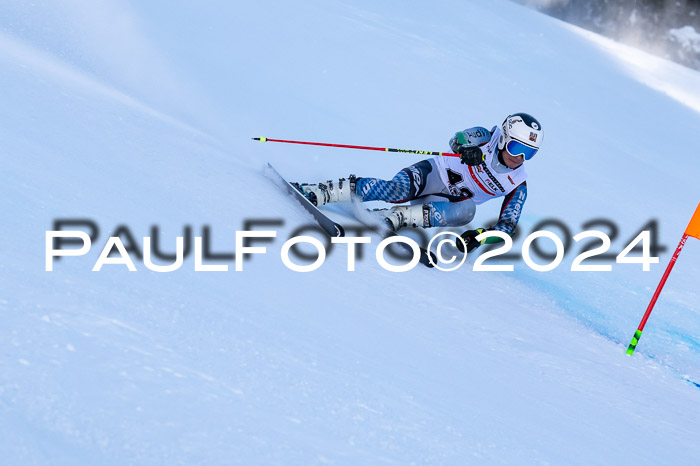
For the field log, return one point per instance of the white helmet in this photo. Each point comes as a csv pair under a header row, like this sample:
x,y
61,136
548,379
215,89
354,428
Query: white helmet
x,y
521,134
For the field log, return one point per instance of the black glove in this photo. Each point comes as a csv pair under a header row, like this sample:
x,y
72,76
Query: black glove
x,y
471,155
469,238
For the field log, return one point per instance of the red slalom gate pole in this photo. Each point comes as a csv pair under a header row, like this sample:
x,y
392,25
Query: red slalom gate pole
x,y
346,146
693,229
672,262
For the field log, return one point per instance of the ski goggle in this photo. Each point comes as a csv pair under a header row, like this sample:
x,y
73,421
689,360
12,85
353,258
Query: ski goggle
x,y
517,148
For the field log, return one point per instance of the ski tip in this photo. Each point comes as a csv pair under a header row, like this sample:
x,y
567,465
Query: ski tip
x,y
259,139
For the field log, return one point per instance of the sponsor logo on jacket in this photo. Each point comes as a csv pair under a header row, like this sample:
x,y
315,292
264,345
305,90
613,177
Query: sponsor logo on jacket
x,y
492,181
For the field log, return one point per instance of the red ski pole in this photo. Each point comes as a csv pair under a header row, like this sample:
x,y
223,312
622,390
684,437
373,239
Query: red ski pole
x,y
693,229
383,149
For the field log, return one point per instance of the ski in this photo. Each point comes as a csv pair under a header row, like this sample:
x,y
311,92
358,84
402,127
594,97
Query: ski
x,y
329,226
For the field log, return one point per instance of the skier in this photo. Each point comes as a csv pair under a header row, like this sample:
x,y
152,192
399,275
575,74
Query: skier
x,y
444,191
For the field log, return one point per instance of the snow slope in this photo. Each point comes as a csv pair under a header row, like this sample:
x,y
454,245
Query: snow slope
x,y
141,114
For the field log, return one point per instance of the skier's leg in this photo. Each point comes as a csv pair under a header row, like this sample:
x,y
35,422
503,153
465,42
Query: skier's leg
x,y
427,194
398,189
419,183
407,184
451,214
430,214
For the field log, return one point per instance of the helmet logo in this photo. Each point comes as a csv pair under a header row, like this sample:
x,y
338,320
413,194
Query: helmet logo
x,y
535,125
533,136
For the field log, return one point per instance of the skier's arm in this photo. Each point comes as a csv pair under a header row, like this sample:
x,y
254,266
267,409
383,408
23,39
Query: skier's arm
x,y
510,211
467,143
470,137
508,220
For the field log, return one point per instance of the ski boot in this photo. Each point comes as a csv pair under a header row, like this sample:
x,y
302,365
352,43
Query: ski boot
x,y
323,193
406,216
